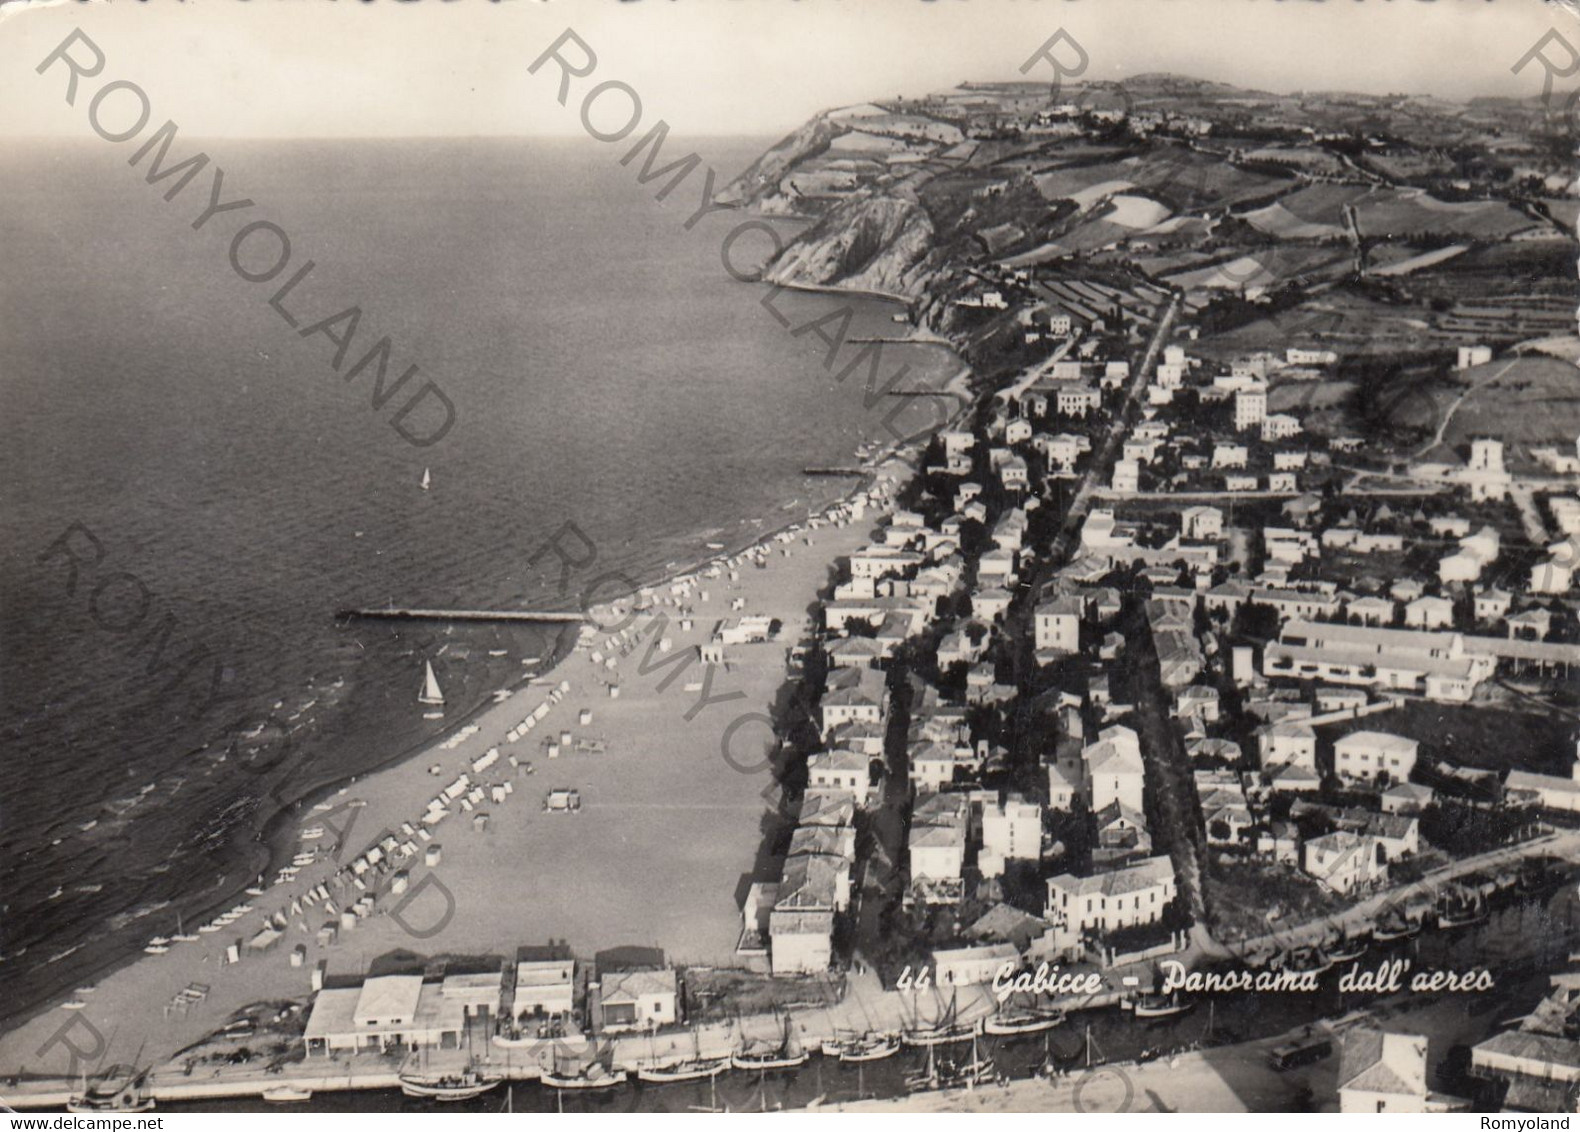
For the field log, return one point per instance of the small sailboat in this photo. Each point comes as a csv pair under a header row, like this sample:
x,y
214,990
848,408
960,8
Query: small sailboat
x,y
182,935
765,1056
431,695
427,479
948,1030
694,1068
594,1075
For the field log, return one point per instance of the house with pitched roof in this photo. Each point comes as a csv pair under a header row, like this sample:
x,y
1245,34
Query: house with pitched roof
x,y
1382,1072
1136,894
635,1000
1112,769
1344,861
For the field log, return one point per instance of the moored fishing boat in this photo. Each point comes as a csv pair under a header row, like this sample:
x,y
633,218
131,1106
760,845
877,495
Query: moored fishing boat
x,y
953,1075
1307,960
594,1076
692,1069
1395,926
460,1086
946,1034
862,1047
1024,1020
1159,1006
1462,913
1347,949
768,1059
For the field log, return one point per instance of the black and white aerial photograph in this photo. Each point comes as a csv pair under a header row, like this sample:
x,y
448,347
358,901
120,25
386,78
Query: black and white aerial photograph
x,y
610,557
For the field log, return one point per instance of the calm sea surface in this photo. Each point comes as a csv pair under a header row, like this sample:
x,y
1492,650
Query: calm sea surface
x,y
221,486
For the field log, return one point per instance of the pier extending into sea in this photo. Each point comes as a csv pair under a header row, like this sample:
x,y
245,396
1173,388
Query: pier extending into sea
x,y
556,616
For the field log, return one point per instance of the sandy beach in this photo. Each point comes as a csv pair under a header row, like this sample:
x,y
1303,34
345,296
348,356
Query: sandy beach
x,y
665,841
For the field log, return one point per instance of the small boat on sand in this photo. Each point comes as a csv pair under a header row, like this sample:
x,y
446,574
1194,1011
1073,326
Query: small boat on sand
x,y
287,1094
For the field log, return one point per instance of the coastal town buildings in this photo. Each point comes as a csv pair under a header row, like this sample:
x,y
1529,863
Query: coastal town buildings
x,y
1384,1072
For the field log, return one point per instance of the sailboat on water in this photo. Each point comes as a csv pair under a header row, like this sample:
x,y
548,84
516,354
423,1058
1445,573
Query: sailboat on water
x,y
771,1056
694,1068
594,1075
945,1031
432,695
427,479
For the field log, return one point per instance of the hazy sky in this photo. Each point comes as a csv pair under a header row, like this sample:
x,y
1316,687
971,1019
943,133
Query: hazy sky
x,y
224,68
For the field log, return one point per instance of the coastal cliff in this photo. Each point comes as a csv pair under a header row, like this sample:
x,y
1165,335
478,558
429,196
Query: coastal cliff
x,y
869,244
763,185
865,239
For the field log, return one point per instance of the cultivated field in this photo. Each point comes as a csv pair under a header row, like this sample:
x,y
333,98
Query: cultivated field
x,y
1402,212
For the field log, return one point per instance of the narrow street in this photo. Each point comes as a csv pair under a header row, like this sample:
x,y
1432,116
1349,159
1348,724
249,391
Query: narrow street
x,y
1170,788
1102,461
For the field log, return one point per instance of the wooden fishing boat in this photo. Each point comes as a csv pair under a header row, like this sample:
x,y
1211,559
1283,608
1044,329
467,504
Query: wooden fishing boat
x,y
1307,960
594,1076
768,1060
1463,915
1022,1021
691,1069
946,1034
1348,949
862,1048
460,1086
951,1075
1396,927
1159,1006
